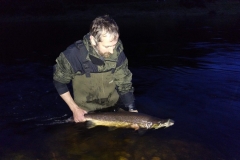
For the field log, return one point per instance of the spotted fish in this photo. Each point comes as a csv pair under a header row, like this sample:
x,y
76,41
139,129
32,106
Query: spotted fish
x,y
137,121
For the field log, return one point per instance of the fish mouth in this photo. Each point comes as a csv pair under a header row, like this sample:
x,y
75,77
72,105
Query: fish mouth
x,y
170,122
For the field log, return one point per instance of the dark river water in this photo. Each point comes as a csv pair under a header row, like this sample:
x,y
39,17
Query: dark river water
x,y
186,69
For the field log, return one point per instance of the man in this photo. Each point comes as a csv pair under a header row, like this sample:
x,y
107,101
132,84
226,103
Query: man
x,y
98,69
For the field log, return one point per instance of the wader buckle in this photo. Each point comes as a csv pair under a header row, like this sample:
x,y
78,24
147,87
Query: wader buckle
x,y
86,69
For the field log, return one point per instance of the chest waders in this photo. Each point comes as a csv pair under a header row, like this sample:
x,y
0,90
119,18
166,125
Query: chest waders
x,y
94,91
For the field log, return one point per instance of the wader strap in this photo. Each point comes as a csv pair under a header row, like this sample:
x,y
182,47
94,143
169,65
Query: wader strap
x,y
76,54
113,70
86,68
83,54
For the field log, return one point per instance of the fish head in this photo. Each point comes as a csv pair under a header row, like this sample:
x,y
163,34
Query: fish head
x,y
163,123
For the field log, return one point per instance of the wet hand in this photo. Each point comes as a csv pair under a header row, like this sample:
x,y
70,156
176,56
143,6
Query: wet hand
x,y
132,110
132,107
78,115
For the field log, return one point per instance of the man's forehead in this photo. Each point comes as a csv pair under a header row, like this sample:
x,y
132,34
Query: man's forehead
x,y
109,38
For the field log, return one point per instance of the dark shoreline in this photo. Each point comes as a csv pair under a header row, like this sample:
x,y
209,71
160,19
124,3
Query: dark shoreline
x,y
145,29
120,10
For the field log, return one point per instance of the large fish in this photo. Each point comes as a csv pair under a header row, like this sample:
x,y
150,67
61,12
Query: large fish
x,y
138,121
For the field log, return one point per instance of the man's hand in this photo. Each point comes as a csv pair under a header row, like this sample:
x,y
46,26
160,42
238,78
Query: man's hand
x,y
132,110
131,107
78,115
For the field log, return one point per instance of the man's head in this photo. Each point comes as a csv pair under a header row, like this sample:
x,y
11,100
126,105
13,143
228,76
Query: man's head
x,y
104,34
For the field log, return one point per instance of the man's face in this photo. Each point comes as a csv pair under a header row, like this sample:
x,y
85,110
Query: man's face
x,y
107,45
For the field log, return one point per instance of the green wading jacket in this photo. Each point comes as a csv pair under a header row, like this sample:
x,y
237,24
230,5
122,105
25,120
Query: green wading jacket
x,y
109,77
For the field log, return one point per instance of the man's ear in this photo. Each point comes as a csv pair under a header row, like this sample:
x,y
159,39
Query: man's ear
x,y
92,40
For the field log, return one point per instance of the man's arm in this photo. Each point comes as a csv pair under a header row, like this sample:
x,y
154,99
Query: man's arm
x,y
63,74
78,113
123,80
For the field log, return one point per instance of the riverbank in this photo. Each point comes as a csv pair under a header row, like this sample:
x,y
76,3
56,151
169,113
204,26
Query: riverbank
x,y
123,10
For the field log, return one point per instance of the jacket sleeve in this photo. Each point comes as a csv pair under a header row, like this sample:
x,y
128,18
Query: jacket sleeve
x,y
62,74
123,80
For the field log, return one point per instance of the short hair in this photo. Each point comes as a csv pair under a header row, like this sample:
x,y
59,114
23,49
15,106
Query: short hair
x,y
103,25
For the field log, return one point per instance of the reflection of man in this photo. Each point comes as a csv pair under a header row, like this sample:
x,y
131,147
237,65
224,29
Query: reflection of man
x,y
98,69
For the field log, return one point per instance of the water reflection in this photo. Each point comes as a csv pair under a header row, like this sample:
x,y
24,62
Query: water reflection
x,y
75,142
203,100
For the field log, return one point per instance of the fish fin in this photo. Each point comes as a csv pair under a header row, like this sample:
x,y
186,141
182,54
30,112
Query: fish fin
x,y
111,128
90,124
142,131
135,126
